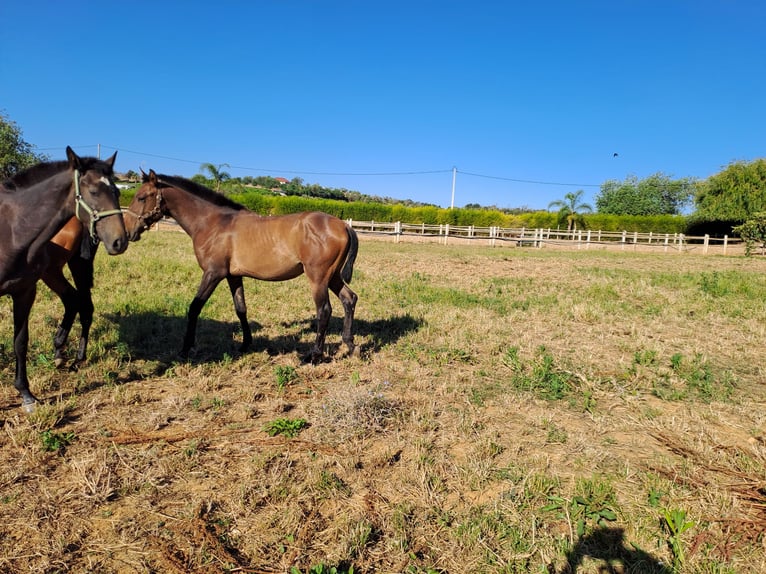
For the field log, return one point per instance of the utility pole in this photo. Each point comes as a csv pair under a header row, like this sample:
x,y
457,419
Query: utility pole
x,y
98,153
454,175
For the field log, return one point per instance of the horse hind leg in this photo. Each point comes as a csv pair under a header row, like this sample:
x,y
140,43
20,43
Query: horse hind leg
x,y
240,308
324,311
348,299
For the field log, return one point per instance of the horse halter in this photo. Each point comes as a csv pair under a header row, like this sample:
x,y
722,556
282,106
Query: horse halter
x,y
147,219
94,214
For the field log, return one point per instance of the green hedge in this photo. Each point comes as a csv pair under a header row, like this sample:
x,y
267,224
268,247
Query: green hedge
x,y
267,204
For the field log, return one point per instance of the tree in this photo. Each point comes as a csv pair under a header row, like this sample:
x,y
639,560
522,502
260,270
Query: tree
x,y
216,174
570,209
15,153
734,194
657,194
753,231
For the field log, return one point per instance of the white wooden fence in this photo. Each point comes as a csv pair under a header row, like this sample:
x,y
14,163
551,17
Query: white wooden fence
x,y
538,238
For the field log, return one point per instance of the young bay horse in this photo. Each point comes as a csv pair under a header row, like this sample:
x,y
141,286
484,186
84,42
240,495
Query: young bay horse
x,y
232,242
71,247
34,205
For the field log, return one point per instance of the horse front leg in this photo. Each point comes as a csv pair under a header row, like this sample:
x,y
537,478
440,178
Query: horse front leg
x,y
55,280
240,307
86,320
69,298
22,305
210,281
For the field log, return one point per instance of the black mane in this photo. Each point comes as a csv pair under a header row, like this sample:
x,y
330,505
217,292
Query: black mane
x,y
42,171
200,191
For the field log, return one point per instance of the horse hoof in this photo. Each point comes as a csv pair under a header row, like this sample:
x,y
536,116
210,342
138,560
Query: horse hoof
x,y
356,352
59,362
29,408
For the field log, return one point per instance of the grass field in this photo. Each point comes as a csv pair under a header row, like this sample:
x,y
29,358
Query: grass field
x,y
513,410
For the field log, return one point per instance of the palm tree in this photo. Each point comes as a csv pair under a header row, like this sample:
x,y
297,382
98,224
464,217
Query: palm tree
x,y
216,174
570,209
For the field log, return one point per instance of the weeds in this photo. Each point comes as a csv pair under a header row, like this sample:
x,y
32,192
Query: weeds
x,y
674,525
285,375
285,427
594,505
53,441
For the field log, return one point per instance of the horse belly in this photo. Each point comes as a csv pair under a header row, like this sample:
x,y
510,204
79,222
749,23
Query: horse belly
x,y
265,265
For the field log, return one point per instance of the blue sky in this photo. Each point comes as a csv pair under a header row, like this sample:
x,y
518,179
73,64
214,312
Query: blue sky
x,y
528,100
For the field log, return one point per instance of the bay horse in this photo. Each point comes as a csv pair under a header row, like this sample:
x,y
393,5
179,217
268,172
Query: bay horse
x,y
232,242
73,248
34,205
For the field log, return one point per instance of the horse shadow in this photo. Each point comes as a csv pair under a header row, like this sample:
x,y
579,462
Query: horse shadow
x,y
608,545
151,336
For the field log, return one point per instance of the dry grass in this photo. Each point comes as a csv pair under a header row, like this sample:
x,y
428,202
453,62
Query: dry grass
x,y
436,451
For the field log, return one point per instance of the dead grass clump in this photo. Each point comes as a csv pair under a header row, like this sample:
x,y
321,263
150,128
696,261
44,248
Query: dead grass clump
x,y
356,411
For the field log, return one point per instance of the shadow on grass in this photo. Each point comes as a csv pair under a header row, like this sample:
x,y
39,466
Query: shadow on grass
x,y
154,337
608,544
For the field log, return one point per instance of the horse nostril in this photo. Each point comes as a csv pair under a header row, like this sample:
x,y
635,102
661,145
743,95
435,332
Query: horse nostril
x,y
119,245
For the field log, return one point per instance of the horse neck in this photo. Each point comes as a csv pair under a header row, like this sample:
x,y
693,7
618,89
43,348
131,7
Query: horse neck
x,y
51,203
190,211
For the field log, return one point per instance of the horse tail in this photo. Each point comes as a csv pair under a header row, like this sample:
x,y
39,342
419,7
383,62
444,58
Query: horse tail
x,y
353,248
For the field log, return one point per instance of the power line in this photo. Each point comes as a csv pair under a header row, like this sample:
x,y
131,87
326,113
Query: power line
x,y
341,173
529,180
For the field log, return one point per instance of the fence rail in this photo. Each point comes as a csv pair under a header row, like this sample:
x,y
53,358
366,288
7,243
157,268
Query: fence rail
x,y
526,237
538,238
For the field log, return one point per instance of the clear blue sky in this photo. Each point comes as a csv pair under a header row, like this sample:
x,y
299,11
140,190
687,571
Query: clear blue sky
x,y
387,97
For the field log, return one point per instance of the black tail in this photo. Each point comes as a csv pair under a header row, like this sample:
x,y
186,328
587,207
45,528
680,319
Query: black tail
x,y
353,248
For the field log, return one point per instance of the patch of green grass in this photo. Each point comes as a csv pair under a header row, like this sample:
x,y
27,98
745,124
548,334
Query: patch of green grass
x,y
285,375
285,427
542,377
53,441
593,504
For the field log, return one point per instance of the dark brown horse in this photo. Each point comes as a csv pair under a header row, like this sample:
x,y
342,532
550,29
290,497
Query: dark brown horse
x,y
231,242
71,247
34,205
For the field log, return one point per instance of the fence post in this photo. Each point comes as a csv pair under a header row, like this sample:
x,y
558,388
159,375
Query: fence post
x,y
624,238
705,244
446,232
587,240
667,238
725,243
398,230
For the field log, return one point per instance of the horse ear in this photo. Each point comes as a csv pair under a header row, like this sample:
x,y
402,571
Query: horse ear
x,y
74,159
152,176
144,175
111,160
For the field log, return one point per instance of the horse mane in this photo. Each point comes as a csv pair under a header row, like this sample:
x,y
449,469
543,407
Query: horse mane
x,y
200,191
42,171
